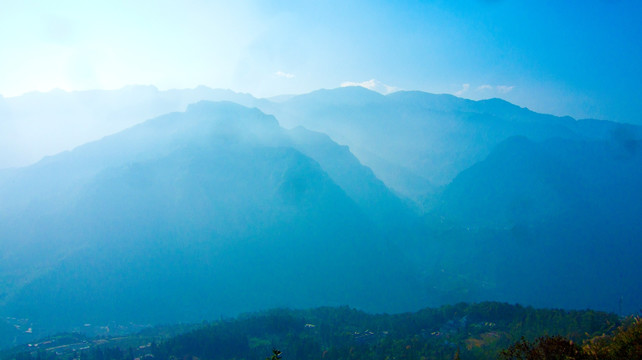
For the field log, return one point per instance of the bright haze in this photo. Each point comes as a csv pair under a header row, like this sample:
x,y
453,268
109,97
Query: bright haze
x,y
166,162
577,58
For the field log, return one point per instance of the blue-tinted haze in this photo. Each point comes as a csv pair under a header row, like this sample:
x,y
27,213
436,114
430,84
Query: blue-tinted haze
x,y
172,202
577,58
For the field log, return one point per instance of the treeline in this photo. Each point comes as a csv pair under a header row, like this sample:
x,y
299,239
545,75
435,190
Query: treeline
x,y
624,343
477,331
468,331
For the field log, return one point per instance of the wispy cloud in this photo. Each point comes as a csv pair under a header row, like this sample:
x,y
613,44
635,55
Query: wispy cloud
x,y
284,74
497,89
503,89
374,85
464,89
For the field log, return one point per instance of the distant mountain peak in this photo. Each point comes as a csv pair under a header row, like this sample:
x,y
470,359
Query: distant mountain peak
x,y
349,95
374,85
220,107
233,114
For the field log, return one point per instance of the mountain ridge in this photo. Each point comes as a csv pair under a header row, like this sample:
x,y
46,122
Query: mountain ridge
x,y
541,212
191,198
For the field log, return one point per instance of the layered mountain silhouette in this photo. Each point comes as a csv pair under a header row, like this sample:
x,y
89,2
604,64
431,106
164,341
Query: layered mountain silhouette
x,y
195,215
37,124
562,216
416,141
345,196
523,183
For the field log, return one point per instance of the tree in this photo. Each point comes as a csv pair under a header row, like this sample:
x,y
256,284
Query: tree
x,y
276,355
625,343
544,348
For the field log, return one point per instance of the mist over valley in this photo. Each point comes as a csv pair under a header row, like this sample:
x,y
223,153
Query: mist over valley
x,y
221,209
211,180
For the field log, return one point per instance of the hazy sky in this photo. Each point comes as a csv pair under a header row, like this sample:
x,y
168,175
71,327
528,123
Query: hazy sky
x,y
580,58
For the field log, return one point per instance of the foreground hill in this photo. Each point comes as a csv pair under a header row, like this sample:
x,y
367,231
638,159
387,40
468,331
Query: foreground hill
x,y
191,215
476,331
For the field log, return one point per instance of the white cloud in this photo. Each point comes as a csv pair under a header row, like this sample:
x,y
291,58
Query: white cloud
x,y
494,89
374,85
464,89
503,89
284,74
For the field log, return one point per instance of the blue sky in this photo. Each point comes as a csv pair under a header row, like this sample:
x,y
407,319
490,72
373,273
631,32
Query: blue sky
x,y
578,58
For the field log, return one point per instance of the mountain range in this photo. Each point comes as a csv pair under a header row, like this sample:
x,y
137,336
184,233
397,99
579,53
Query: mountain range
x,y
184,209
345,196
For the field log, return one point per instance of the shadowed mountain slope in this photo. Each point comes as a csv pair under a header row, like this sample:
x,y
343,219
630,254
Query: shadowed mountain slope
x,y
415,141
38,124
219,210
195,215
552,222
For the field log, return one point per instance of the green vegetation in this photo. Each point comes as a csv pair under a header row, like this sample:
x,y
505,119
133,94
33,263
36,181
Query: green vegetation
x,y
546,347
465,331
624,343
276,355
